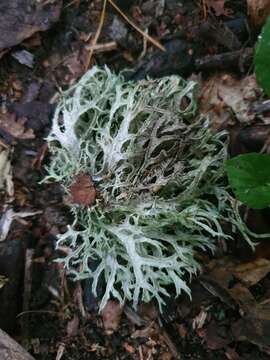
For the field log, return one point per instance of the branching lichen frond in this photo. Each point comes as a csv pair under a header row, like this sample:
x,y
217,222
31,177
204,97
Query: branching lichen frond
x,y
159,172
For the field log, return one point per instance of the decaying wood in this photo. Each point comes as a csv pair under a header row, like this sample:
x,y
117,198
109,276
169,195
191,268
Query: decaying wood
x,y
11,350
239,59
22,18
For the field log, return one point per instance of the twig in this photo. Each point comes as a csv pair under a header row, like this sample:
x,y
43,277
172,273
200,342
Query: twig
x,y
140,352
99,48
38,312
204,6
143,33
3,144
27,279
142,55
79,299
94,42
71,3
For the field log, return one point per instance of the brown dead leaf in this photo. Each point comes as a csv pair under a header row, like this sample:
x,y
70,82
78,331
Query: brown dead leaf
x,y
219,270
258,10
146,332
218,6
148,311
252,272
130,349
254,327
75,63
166,356
262,311
242,296
82,191
223,95
213,338
253,330
231,354
182,330
111,316
15,127
33,41
217,290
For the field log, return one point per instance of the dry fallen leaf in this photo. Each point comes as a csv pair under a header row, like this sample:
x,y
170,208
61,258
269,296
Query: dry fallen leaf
x,y
130,349
254,327
212,337
217,290
82,191
15,127
242,296
75,63
182,330
111,316
225,98
146,332
258,10
219,7
252,272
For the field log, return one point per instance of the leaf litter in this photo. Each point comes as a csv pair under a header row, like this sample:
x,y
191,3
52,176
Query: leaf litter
x,y
237,283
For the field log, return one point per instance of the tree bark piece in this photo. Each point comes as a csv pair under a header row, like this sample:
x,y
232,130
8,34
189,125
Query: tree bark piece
x,y
11,350
22,18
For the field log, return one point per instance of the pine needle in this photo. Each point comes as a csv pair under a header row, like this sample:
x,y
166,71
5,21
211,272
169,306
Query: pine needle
x,y
143,33
95,40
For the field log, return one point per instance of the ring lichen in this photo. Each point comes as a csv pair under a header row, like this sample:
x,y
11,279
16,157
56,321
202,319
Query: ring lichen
x,y
159,173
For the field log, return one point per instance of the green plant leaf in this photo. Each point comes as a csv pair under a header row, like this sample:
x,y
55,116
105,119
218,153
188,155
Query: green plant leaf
x,y
249,177
262,58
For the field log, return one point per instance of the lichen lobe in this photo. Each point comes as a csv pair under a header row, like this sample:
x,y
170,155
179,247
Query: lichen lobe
x,y
159,172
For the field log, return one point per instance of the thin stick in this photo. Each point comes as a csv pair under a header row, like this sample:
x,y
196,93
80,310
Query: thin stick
x,y
38,312
204,5
27,286
70,4
94,42
99,48
143,33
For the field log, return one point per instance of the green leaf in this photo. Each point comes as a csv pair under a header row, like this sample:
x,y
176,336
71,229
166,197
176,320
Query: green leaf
x,y
262,58
249,177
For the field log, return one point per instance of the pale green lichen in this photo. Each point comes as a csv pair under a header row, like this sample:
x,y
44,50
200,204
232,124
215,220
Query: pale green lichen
x,y
159,173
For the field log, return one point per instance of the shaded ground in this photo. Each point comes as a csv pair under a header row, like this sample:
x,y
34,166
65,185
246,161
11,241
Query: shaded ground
x,y
53,318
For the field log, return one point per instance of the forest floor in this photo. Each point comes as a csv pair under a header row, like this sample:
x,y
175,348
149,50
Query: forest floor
x,y
48,45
